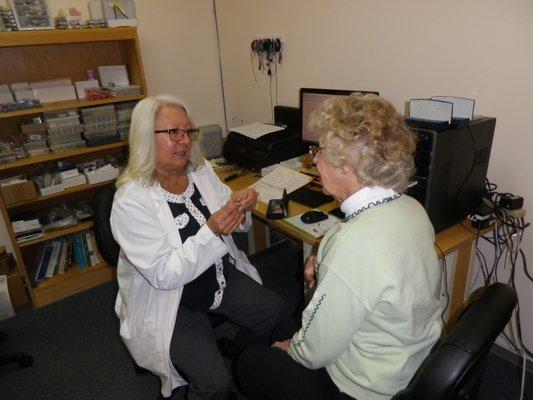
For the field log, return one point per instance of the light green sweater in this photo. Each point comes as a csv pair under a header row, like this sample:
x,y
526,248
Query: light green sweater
x,y
375,313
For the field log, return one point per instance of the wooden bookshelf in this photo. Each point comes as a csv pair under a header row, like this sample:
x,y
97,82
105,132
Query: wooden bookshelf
x,y
29,56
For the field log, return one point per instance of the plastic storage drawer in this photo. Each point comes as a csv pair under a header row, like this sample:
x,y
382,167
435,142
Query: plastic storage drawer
x,y
68,146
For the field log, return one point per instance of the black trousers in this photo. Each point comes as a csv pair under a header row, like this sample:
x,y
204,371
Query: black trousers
x,y
193,348
265,373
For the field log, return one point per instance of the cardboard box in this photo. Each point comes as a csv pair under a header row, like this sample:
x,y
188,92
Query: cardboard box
x,y
17,291
18,192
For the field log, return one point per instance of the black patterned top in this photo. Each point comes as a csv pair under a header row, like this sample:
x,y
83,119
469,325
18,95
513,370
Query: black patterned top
x,y
190,213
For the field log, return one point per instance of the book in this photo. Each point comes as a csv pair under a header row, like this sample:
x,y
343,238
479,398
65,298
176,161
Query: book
x,y
54,259
78,252
91,243
63,257
315,230
86,251
42,267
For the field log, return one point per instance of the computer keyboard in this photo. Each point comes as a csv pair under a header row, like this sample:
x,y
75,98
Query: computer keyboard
x,y
309,197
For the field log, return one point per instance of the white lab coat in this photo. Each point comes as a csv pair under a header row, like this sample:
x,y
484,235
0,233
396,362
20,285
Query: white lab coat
x,y
154,265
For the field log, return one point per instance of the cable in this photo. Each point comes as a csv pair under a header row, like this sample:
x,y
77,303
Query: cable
x,y
220,67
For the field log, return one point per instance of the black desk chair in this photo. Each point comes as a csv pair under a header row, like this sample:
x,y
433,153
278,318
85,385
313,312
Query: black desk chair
x,y
454,367
23,360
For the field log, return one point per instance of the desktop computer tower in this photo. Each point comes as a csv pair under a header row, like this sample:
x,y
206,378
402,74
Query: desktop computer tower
x,y
451,167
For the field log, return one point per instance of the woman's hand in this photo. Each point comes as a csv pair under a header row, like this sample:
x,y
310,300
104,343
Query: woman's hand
x,y
226,220
282,345
245,199
310,271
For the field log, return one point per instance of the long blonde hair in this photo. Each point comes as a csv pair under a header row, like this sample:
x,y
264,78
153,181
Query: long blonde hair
x,y
142,158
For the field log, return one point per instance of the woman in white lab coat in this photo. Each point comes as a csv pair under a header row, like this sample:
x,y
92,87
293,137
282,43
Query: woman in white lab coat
x,y
173,219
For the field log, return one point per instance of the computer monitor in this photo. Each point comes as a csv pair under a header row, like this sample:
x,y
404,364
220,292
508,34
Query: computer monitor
x,y
310,99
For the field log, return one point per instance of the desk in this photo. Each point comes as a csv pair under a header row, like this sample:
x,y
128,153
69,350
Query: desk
x,y
455,238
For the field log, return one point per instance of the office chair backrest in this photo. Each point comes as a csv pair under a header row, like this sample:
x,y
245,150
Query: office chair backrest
x,y
454,367
107,246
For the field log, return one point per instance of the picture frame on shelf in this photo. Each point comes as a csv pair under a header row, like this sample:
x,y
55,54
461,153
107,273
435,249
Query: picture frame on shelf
x,y
119,13
32,14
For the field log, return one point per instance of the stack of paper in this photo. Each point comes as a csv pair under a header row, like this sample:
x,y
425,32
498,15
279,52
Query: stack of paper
x,y
271,186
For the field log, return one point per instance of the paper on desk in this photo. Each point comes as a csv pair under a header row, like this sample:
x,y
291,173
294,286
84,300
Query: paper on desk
x,y
256,130
271,186
6,308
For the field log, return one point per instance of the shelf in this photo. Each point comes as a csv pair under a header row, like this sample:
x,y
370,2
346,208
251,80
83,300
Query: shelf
x,y
64,36
58,233
33,56
75,189
74,281
63,105
52,156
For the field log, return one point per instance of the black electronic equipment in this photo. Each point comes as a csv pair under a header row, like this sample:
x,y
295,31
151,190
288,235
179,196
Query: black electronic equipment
x,y
313,216
309,197
278,208
451,166
288,117
268,149
310,99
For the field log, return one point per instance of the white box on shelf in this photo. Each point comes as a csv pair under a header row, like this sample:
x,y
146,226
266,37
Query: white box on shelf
x,y
103,174
113,75
53,94
51,189
74,181
24,94
15,87
51,83
6,97
82,85
69,173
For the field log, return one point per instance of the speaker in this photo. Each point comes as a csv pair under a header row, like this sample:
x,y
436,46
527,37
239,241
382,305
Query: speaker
x,y
289,117
211,140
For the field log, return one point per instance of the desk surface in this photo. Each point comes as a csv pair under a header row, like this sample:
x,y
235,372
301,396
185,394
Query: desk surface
x,y
447,240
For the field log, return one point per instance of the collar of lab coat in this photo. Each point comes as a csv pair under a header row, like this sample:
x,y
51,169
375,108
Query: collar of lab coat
x,y
200,178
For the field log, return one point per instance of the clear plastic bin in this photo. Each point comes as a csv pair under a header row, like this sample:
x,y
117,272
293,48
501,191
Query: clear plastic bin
x,y
64,138
92,111
124,115
35,137
36,145
130,90
100,127
91,135
100,118
65,130
60,122
68,146
38,151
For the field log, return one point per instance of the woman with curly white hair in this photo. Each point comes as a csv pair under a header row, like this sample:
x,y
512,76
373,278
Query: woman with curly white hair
x,y
375,313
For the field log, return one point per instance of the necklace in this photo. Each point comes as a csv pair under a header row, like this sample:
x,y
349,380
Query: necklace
x,y
370,205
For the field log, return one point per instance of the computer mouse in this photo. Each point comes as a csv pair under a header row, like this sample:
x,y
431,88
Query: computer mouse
x,y
312,216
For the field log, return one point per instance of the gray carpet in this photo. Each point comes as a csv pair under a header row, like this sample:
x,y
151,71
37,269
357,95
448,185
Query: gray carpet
x,y
79,356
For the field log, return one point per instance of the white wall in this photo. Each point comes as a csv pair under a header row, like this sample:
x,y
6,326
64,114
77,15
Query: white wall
x,y
179,52
404,49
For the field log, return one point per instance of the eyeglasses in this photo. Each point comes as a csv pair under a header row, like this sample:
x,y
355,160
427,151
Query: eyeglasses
x,y
177,134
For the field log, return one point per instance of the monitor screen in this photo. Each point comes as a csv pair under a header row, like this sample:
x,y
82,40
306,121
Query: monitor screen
x,y
310,99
